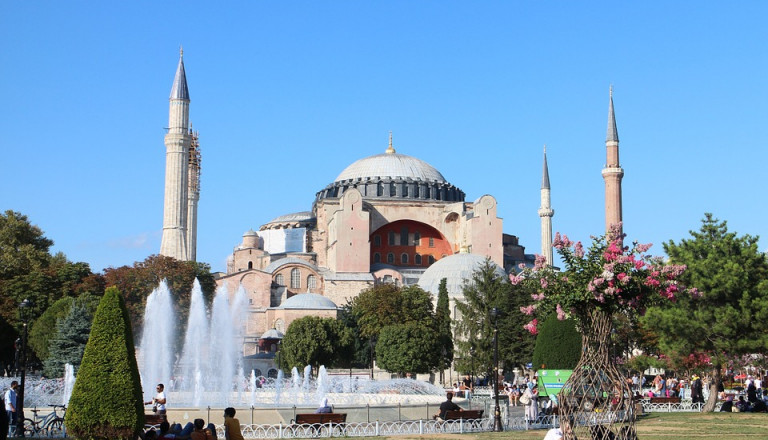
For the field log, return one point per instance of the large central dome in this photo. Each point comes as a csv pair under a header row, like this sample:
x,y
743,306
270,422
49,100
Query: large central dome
x,y
391,165
393,176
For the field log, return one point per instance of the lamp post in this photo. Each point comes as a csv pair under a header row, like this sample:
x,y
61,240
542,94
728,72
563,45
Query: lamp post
x,y
497,426
24,312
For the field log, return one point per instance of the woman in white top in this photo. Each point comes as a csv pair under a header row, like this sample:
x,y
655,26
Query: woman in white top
x,y
532,407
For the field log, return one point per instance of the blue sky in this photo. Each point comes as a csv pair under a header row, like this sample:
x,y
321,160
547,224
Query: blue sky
x,y
287,94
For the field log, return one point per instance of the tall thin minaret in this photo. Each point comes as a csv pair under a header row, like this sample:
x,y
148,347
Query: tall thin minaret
x,y
177,143
546,212
193,195
612,173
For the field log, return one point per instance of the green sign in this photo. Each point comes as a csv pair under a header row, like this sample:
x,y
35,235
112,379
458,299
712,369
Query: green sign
x,y
551,381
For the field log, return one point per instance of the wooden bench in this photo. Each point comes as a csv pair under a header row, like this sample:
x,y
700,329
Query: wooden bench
x,y
154,419
323,418
665,400
471,414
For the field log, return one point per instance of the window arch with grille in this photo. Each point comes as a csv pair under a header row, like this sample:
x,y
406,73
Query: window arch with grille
x,y
311,282
279,280
295,278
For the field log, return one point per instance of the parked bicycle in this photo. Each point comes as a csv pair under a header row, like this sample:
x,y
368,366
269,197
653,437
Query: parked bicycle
x,y
52,425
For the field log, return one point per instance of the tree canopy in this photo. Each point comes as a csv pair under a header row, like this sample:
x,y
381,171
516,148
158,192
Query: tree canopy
x,y
730,317
408,348
315,341
474,325
558,344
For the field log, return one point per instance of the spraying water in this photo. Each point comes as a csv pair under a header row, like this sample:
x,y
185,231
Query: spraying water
x,y
69,383
156,348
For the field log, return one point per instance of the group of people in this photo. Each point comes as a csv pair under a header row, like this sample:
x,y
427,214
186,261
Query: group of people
x,y
196,430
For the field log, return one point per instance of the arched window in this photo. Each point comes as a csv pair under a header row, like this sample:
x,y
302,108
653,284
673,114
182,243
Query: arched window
x,y
257,372
404,259
404,236
431,242
295,278
391,258
376,257
377,240
392,189
279,280
311,282
416,238
417,259
391,237
250,265
431,260
380,189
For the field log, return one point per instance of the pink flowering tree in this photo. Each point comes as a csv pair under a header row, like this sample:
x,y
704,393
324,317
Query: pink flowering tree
x,y
608,277
596,285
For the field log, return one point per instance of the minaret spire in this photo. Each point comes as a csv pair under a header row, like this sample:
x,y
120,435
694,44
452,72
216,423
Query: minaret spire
x,y
612,173
546,212
178,140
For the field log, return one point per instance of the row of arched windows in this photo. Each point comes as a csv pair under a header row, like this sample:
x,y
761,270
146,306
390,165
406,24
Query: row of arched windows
x,y
296,280
394,239
418,260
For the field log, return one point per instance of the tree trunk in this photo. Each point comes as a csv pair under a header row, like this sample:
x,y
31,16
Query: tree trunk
x,y
596,401
712,400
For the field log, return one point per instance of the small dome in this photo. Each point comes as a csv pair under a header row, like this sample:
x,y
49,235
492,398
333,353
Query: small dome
x,y
311,301
272,334
391,165
455,269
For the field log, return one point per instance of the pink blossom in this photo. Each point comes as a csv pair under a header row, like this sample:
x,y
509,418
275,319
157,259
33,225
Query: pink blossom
x,y
641,248
652,282
528,310
607,275
515,279
531,326
557,243
537,296
578,250
521,266
694,292
540,263
543,283
623,278
639,264
560,313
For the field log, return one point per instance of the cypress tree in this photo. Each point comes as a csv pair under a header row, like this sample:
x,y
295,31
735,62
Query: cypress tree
x,y
106,401
558,345
443,324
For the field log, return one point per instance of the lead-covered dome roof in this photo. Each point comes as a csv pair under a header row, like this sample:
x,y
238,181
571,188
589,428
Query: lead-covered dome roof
x,y
391,165
456,269
393,176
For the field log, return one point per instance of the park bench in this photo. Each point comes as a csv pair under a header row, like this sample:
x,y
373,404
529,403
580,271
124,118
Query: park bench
x,y
319,424
665,400
153,419
471,414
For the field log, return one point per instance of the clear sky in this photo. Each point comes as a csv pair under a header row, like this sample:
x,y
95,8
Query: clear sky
x,y
287,94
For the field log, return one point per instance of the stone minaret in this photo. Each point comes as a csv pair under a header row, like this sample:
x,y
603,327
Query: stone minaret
x,y
193,196
612,173
546,212
177,143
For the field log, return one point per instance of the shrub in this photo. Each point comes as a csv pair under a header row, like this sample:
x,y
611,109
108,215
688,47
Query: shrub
x,y
558,345
106,401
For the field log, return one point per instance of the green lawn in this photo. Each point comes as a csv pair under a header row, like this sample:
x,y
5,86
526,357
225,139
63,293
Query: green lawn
x,y
657,426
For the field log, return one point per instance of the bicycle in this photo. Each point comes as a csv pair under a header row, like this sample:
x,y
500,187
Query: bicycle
x,y
52,425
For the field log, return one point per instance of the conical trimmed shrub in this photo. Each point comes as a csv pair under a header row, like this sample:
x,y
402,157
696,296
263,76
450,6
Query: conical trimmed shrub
x,y
106,401
558,345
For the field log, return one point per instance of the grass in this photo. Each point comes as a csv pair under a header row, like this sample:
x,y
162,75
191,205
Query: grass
x,y
655,426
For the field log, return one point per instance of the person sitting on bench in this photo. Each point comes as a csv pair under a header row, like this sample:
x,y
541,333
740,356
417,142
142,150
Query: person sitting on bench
x,y
446,406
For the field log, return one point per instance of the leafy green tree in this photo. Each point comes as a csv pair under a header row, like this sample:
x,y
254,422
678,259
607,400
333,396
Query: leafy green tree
x,y
729,316
29,271
558,344
315,341
443,325
44,328
474,325
408,348
106,401
68,346
360,355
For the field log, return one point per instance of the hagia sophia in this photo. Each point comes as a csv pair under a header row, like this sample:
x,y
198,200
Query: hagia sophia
x,y
385,218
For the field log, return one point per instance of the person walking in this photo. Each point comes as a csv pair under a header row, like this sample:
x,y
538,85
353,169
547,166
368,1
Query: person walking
x,y
10,407
530,400
159,401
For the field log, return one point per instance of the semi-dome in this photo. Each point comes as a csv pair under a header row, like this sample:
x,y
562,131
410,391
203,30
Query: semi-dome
x,y
391,165
311,301
455,269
